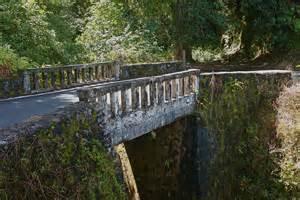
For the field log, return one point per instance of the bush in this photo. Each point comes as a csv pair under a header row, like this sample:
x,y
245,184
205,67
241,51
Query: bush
x,y
108,36
238,113
72,165
33,32
288,129
10,61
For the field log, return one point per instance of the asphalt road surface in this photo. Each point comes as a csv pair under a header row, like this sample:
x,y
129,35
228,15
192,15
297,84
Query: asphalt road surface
x,y
16,110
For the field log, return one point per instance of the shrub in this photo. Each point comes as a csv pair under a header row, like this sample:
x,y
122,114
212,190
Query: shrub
x,y
72,165
288,129
10,61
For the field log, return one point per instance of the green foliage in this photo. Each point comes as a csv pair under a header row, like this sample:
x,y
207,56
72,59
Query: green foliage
x,y
180,24
206,54
241,118
73,165
108,35
12,61
37,33
264,25
288,129
69,31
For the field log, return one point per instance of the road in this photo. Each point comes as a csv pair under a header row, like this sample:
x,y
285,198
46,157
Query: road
x,y
16,110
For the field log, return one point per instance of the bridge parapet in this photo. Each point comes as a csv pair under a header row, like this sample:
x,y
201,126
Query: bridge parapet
x,y
135,107
37,80
50,78
121,97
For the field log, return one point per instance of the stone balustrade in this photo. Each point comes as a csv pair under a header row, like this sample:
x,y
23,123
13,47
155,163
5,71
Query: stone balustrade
x,y
54,78
131,71
50,78
123,97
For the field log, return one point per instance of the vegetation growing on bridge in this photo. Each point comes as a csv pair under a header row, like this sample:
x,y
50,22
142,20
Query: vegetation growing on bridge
x,y
240,116
71,165
288,130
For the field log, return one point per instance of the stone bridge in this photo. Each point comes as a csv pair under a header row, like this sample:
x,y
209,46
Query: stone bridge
x,y
125,108
135,107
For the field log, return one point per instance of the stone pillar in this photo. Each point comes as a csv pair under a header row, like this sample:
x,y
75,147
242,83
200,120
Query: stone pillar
x,y
46,79
26,82
115,104
144,96
117,66
152,93
62,78
135,98
177,88
161,95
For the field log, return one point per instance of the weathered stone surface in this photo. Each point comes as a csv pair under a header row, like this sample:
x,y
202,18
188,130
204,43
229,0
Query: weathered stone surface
x,y
153,69
37,123
144,121
124,116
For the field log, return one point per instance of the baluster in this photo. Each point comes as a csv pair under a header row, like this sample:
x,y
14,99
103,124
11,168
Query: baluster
x,y
83,75
100,72
90,74
75,75
103,102
62,78
112,71
123,101
144,96
36,81
46,79
26,82
152,93
160,96
109,107
109,71
167,90
69,74
115,104
104,71
187,85
135,98
79,75
126,100
117,69
173,89
53,79
177,88
182,84
96,72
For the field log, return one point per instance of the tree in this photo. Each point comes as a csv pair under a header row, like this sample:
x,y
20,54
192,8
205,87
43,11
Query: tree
x,y
180,24
264,25
111,32
43,31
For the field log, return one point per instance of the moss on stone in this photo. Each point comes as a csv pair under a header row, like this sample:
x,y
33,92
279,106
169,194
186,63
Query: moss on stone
x,y
238,112
71,165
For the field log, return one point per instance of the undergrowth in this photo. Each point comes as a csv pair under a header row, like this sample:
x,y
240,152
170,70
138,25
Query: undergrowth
x,y
71,165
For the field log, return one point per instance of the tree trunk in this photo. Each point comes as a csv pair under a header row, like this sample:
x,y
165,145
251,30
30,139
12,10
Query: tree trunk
x,y
179,53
